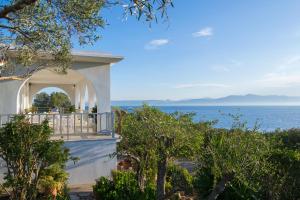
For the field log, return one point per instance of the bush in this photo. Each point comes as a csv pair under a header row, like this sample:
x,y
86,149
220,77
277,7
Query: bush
x,y
123,186
179,179
32,159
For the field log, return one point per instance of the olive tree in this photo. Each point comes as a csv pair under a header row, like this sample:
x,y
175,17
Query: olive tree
x,y
34,26
154,138
234,159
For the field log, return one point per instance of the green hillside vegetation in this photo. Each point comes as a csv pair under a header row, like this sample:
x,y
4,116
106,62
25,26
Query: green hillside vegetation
x,y
226,164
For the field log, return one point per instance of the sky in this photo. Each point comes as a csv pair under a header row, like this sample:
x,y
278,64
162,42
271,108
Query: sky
x,y
207,48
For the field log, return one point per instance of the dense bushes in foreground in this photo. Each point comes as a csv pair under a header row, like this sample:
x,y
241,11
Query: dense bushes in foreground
x,y
229,164
122,186
34,163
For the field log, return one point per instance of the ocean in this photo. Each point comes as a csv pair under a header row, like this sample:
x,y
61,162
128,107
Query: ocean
x,y
268,118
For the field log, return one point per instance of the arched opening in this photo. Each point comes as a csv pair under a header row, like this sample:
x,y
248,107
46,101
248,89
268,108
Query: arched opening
x,y
78,84
79,89
52,100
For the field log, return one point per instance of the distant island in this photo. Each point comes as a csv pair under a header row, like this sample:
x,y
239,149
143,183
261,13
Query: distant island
x,y
232,100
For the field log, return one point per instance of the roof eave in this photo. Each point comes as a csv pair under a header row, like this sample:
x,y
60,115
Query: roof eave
x,y
97,59
101,58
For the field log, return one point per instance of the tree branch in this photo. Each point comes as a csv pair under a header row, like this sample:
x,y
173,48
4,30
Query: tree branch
x,y
220,187
17,30
15,7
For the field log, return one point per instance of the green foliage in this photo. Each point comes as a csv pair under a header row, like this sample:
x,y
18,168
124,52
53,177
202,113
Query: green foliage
x,y
94,109
35,26
237,157
30,157
179,179
60,100
52,177
123,186
151,138
286,156
203,182
231,164
42,100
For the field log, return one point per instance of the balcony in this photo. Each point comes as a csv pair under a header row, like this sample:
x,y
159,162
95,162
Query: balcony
x,y
73,126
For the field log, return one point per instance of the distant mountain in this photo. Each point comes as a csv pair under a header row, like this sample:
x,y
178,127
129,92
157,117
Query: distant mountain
x,y
249,99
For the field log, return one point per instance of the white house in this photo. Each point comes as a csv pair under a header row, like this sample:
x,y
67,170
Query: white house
x,y
90,136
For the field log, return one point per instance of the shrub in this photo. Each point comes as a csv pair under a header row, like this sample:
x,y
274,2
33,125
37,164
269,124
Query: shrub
x,y
179,179
29,157
150,192
104,189
123,186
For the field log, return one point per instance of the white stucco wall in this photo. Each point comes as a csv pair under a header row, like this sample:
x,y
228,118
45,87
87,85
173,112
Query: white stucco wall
x,y
9,96
95,79
99,76
94,161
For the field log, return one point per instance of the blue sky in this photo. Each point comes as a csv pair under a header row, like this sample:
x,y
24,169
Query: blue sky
x,y
208,48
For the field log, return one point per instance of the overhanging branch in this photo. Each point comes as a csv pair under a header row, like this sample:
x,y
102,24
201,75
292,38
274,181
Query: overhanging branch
x,y
19,5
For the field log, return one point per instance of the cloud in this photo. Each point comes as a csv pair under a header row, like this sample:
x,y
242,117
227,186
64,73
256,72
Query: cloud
x,y
228,66
279,80
220,68
154,44
205,32
285,75
193,85
291,62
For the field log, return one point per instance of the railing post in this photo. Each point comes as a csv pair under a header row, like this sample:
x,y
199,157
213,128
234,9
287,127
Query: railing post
x,y
112,125
106,121
74,121
87,123
95,116
81,119
60,122
53,120
39,118
100,122
68,126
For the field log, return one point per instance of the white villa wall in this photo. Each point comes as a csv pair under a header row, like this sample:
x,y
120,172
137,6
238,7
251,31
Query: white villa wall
x,y
17,95
9,96
95,160
100,79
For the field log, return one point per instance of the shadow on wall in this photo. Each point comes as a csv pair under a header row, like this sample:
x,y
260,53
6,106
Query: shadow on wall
x,y
90,151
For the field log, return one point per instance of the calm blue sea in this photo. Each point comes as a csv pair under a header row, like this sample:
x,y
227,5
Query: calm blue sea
x,y
269,118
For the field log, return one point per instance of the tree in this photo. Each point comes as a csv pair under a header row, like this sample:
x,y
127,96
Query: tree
x,y
153,138
31,158
55,100
59,100
42,100
236,159
34,26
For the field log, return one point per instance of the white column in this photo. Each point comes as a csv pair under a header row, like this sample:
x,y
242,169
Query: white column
x,y
82,96
91,95
28,103
77,96
100,78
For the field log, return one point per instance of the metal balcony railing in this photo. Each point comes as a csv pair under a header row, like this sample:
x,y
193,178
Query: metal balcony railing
x,y
72,124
